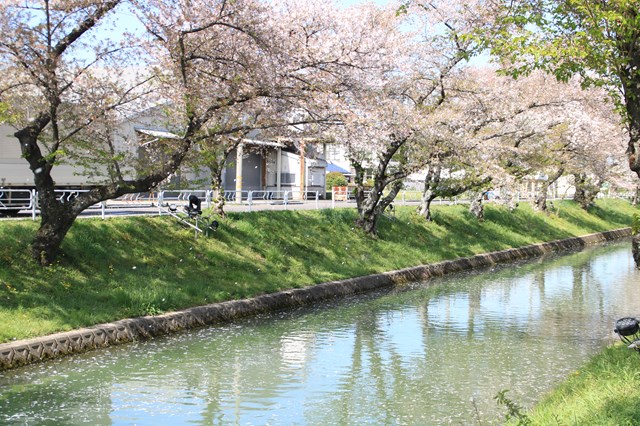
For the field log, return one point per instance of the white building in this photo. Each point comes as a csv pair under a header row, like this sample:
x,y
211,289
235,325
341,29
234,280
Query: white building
x,y
293,166
274,166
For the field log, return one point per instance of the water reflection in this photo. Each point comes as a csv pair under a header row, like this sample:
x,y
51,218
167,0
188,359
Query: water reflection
x,y
432,354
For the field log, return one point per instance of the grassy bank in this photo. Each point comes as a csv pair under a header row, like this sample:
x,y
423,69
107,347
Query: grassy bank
x,y
128,267
605,391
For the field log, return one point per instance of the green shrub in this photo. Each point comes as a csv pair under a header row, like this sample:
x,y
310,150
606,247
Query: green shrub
x,y
335,179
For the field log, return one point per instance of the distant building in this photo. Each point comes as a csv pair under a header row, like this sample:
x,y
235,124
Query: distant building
x,y
296,166
274,166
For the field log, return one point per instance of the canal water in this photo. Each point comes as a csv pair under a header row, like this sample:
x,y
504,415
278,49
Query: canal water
x,y
429,353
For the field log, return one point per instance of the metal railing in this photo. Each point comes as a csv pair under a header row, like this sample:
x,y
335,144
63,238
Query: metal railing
x,y
27,200
257,197
10,198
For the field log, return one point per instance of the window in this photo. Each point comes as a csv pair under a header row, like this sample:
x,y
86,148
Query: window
x,y
287,178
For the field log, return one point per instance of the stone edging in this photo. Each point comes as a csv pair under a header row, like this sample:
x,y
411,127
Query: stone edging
x,y
23,352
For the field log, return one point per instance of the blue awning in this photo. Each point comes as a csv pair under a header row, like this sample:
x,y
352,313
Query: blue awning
x,y
333,168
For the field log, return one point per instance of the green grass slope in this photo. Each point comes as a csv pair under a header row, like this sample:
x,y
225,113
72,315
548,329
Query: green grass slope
x,y
605,391
125,267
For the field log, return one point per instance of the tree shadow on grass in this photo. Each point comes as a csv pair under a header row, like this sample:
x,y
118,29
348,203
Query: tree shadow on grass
x,y
611,215
298,243
524,221
621,411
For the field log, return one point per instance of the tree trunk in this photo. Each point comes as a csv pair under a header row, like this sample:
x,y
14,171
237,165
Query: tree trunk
x,y
218,190
540,202
632,103
586,191
373,205
368,204
425,205
367,219
57,217
580,195
45,246
217,150
477,207
431,181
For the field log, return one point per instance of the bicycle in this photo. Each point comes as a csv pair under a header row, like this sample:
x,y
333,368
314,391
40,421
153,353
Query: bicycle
x,y
192,217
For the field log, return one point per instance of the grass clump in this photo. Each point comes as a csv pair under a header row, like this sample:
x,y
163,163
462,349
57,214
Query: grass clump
x,y
126,267
605,391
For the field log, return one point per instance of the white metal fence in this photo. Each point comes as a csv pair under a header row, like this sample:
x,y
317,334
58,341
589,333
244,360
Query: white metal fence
x,y
244,200
27,200
11,197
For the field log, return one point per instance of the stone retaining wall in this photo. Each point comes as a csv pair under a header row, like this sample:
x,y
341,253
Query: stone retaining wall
x,y
23,352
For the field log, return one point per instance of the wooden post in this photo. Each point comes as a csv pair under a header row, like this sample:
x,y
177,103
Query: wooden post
x,y
279,171
303,176
239,155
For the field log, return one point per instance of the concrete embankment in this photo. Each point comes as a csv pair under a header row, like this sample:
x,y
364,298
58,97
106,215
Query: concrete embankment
x,y
23,352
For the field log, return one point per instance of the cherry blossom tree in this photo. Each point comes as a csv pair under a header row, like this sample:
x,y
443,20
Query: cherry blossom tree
x,y
384,123
451,155
479,129
286,67
594,143
197,63
597,41
533,127
60,83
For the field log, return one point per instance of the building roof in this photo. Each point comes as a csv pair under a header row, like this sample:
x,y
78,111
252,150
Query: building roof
x,y
262,143
335,168
157,133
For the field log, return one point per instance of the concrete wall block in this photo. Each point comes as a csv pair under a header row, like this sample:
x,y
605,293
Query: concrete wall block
x,y
247,307
35,352
200,315
214,315
6,359
20,356
87,341
75,343
192,319
123,334
63,346
49,349
178,322
100,338
111,334
139,328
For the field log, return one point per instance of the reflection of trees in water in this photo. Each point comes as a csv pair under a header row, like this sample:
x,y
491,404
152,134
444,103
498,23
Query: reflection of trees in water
x,y
456,365
384,383
407,356
368,375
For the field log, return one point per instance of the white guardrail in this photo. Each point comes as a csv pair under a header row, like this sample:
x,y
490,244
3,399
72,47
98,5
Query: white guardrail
x,y
247,198
14,200
27,200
